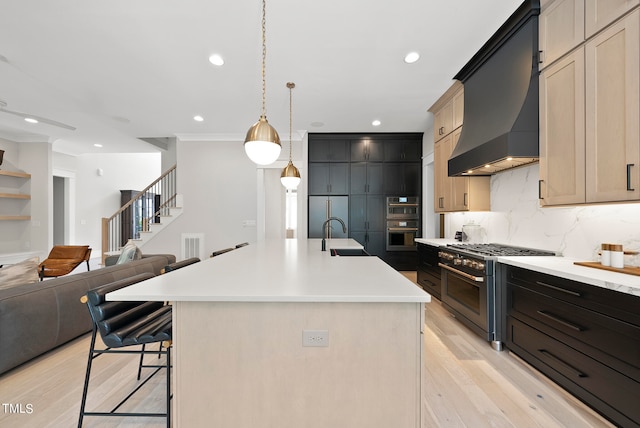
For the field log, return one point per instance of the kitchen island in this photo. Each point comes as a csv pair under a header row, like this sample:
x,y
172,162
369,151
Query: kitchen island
x,y
281,334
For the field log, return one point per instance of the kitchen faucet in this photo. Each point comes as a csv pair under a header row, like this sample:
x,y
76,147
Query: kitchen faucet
x,y
325,229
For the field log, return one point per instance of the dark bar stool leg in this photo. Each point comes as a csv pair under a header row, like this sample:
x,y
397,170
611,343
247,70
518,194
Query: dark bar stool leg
x,y
168,348
140,365
87,376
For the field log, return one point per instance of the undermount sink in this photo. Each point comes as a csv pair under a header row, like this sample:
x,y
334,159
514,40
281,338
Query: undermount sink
x,y
348,252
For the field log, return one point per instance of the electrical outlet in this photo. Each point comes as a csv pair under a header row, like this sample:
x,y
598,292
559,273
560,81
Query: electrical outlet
x,y
315,337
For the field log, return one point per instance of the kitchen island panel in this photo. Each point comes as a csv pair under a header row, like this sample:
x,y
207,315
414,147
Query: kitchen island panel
x,y
259,374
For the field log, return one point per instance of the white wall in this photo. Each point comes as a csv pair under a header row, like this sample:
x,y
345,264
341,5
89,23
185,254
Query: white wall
x,y
517,218
218,185
99,196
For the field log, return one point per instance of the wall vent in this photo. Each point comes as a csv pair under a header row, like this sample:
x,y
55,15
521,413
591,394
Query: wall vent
x,y
193,245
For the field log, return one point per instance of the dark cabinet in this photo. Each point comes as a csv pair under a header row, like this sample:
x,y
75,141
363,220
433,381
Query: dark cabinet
x,y
428,270
585,338
367,222
329,150
404,150
328,178
402,179
367,150
366,177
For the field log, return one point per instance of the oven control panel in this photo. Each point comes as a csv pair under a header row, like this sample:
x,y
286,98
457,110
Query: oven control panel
x,y
460,261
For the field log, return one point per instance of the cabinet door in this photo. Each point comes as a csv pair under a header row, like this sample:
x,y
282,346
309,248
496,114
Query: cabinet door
x,y
411,179
392,178
612,110
376,215
600,13
459,185
367,150
358,178
443,121
357,213
562,127
321,150
375,182
561,27
338,178
318,178
442,184
402,150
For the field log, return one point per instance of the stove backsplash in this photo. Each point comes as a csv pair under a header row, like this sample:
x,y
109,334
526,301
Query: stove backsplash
x,y
516,218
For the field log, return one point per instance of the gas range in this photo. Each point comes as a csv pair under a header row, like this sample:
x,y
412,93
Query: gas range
x,y
470,289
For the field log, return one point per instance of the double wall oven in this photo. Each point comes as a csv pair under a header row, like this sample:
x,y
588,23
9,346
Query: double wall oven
x,y
469,288
403,222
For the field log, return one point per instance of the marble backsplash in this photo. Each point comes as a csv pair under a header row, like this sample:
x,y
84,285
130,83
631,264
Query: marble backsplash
x,y
516,218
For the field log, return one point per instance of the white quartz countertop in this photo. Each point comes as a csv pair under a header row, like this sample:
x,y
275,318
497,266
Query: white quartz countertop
x,y
436,242
286,270
564,267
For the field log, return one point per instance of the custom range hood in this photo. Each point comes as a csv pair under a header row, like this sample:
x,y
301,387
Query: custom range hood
x,y
500,129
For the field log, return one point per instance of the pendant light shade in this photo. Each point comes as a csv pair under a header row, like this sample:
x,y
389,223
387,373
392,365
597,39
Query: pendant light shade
x,y
262,143
290,177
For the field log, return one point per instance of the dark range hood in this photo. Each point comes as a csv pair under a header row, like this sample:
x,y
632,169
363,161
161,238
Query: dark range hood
x,y
500,129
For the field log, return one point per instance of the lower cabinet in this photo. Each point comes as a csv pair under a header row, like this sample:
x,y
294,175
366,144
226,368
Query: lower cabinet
x,y
428,270
585,338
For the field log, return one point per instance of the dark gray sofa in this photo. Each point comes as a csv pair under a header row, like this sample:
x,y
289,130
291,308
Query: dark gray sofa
x,y
37,317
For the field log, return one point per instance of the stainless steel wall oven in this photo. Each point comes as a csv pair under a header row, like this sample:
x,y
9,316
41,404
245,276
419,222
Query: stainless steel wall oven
x,y
403,222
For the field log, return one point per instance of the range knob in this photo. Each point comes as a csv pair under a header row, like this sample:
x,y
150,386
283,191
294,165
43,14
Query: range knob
x,y
480,266
457,262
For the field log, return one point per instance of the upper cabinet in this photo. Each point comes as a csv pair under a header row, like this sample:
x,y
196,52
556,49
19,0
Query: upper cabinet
x,y
329,150
561,28
600,13
454,193
589,114
367,150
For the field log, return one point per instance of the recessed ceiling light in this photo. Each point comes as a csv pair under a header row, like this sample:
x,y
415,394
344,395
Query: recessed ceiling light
x,y
97,145
216,59
30,120
411,57
376,122
509,158
198,118
487,166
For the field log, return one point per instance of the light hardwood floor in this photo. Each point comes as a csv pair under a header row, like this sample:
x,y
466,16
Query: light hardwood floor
x,y
467,384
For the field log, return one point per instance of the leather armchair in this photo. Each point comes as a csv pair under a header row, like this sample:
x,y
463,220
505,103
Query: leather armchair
x,y
63,259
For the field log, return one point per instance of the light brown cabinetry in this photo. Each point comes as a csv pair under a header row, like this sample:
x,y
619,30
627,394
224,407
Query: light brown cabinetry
x,y
454,193
11,189
589,113
600,13
561,28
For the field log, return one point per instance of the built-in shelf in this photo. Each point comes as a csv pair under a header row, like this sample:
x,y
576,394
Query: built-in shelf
x,y
15,174
15,195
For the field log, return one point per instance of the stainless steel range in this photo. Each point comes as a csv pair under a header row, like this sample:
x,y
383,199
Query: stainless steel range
x,y
469,289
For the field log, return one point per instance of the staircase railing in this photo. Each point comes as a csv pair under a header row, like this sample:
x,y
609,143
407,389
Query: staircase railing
x,y
136,216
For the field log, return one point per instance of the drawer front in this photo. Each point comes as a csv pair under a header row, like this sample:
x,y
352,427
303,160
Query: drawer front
x,y
428,259
609,392
429,283
616,340
612,303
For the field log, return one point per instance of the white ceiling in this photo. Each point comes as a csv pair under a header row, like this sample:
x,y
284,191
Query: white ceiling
x,y
117,70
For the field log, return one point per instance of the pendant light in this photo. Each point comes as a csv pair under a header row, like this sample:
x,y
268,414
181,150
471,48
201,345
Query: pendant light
x,y
290,177
262,143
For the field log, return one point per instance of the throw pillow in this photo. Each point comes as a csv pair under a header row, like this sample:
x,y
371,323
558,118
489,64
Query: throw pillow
x,y
24,272
129,252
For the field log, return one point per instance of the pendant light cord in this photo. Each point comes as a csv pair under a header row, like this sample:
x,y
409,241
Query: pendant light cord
x,y
264,57
290,85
